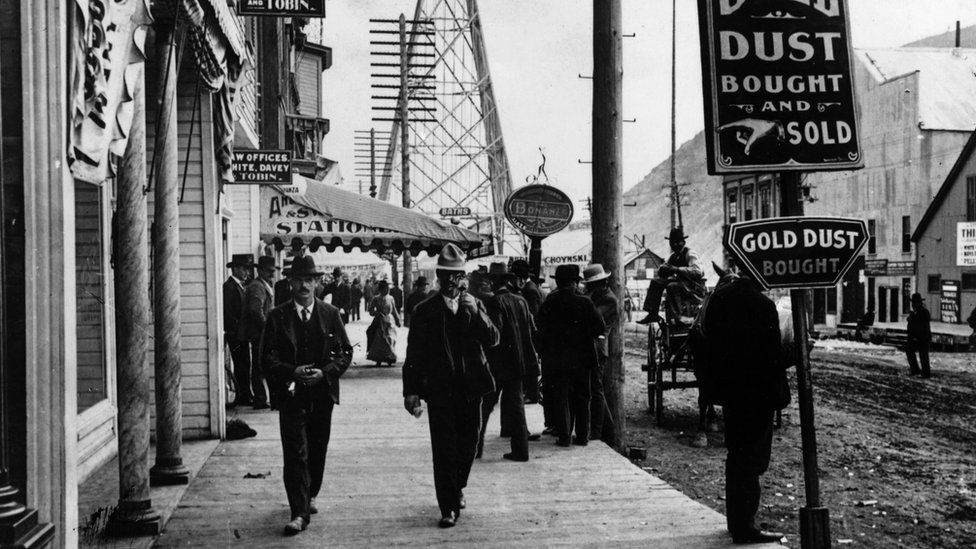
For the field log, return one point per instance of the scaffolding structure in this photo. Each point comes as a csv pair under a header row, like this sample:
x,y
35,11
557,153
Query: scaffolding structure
x,y
457,157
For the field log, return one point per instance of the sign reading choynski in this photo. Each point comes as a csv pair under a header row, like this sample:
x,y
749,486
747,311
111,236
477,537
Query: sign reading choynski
x,y
778,88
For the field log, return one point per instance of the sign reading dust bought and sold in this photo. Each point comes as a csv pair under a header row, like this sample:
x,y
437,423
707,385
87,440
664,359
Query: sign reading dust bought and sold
x,y
778,88
797,252
262,167
539,210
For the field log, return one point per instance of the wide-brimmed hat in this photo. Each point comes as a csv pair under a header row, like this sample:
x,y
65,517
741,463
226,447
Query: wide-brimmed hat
x,y
594,272
451,258
303,266
567,272
677,233
917,298
498,270
242,260
267,262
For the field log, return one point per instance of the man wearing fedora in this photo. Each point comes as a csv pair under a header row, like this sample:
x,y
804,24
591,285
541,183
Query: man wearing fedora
x,y
305,352
680,275
569,325
510,361
525,286
598,290
446,367
420,292
919,336
258,302
241,267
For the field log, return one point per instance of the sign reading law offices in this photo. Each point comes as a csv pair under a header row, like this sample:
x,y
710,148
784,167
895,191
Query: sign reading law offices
x,y
282,8
779,93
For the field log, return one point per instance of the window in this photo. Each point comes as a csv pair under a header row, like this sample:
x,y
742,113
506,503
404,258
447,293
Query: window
x,y
748,204
906,234
935,283
731,207
832,300
872,239
765,201
89,276
971,198
969,282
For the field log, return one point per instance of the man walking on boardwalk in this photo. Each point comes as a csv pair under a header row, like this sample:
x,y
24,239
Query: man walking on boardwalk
x,y
598,290
526,287
569,325
680,275
510,361
919,335
446,367
241,266
258,300
305,352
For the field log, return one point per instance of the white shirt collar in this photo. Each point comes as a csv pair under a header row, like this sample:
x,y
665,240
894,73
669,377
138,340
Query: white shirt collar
x,y
452,303
238,281
299,307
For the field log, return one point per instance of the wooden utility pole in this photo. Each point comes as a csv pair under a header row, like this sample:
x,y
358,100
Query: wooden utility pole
x,y
372,163
607,211
675,196
405,141
814,519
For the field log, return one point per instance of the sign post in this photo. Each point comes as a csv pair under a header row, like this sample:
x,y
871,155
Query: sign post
x,y
538,211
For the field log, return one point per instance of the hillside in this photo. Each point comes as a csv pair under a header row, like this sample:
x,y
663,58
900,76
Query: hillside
x,y
948,39
701,208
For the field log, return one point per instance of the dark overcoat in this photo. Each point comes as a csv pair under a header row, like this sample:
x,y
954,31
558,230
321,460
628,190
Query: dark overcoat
x,y
258,302
568,327
233,308
515,354
533,296
606,304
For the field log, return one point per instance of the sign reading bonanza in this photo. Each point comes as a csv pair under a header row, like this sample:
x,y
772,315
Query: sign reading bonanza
x,y
539,210
262,167
797,252
779,93
282,8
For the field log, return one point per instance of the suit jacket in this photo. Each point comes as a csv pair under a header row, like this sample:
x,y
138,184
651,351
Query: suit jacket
x,y
430,370
514,356
258,302
568,327
533,296
342,296
233,308
282,292
605,302
279,350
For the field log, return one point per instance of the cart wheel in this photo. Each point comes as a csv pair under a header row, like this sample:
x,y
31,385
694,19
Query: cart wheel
x,y
662,353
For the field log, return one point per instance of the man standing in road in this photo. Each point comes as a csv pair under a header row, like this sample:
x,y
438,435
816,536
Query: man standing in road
x,y
919,335
681,276
743,368
446,367
342,298
598,290
356,293
419,293
305,352
241,266
259,300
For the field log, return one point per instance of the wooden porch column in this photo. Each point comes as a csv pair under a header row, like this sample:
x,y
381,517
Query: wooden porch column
x,y
169,468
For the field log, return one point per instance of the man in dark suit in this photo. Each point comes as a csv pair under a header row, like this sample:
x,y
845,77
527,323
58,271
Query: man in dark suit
x,y
446,366
598,290
510,361
282,290
919,336
342,298
526,287
305,352
569,326
420,292
241,266
258,302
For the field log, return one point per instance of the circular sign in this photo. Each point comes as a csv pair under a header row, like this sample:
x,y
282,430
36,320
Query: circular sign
x,y
539,210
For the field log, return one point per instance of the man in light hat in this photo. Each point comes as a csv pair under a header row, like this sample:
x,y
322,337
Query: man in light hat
x,y
598,290
241,267
569,325
259,300
305,352
510,361
681,276
446,367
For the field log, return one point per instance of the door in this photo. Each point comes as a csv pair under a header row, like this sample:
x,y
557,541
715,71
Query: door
x,y
819,306
883,304
893,293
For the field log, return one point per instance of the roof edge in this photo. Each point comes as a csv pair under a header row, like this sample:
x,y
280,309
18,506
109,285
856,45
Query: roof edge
x,y
944,189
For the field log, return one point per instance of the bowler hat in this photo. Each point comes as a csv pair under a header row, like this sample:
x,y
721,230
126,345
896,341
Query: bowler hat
x,y
303,266
499,269
677,233
421,281
567,272
242,260
451,258
594,272
917,298
267,262
520,267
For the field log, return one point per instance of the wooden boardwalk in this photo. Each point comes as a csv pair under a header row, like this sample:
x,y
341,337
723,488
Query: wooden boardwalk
x,y
379,489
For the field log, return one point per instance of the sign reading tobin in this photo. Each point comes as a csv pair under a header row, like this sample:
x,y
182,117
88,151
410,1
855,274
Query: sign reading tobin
x,y
797,252
779,94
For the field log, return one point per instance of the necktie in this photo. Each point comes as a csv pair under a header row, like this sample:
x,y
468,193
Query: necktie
x,y
304,315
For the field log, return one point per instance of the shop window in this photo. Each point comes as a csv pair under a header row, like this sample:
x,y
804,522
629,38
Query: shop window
x,y
748,204
832,300
765,201
906,234
90,284
731,207
935,283
872,238
971,198
969,282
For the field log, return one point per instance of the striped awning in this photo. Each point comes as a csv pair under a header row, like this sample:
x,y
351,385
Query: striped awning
x,y
318,214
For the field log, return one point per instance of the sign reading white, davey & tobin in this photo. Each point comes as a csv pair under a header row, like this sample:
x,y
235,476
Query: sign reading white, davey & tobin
x,y
779,93
282,8
539,210
797,252
262,167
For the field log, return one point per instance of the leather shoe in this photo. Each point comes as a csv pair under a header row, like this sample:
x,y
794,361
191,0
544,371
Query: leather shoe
x,y
512,457
757,536
577,441
295,526
261,406
462,503
448,521
312,508
564,442
535,437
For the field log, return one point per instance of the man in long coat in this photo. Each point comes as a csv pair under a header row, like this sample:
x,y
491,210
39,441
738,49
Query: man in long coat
x,y
241,266
598,290
342,298
305,352
446,366
744,370
919,336
259,300
511,360
569,326
526,287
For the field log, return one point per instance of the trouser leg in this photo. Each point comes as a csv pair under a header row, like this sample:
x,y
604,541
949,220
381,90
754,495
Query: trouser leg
x,y
443,442
676,294
513,406
468,425
652,302
487,406
292,421
598,403
923,354
910,350
240,354
319,430
530,387
560,409
580,379
548,401
748,438
257,376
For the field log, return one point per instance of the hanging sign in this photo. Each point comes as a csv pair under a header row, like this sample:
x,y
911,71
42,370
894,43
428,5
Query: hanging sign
x,y
949,302
875,267
282,8
539,210
797,252
269,167
459,211
778,88
901,268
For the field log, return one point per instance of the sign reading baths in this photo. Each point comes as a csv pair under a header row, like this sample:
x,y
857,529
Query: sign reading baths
x,y
778,94
797,252
262,167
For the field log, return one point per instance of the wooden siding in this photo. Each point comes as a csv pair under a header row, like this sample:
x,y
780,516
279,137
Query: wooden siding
x,y
308,77
244,224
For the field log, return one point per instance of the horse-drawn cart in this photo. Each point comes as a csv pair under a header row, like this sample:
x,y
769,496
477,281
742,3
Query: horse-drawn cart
x,y
669,359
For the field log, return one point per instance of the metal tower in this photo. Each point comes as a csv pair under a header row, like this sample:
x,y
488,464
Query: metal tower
x,y
457,157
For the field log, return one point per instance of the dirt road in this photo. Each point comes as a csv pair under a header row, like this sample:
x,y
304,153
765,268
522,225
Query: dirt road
x,y
897,453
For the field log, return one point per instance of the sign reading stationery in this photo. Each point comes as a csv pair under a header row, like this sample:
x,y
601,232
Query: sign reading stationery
x,y
779,94
282,8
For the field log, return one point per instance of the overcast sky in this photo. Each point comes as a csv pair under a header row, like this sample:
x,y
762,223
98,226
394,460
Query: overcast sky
x,y
536,49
